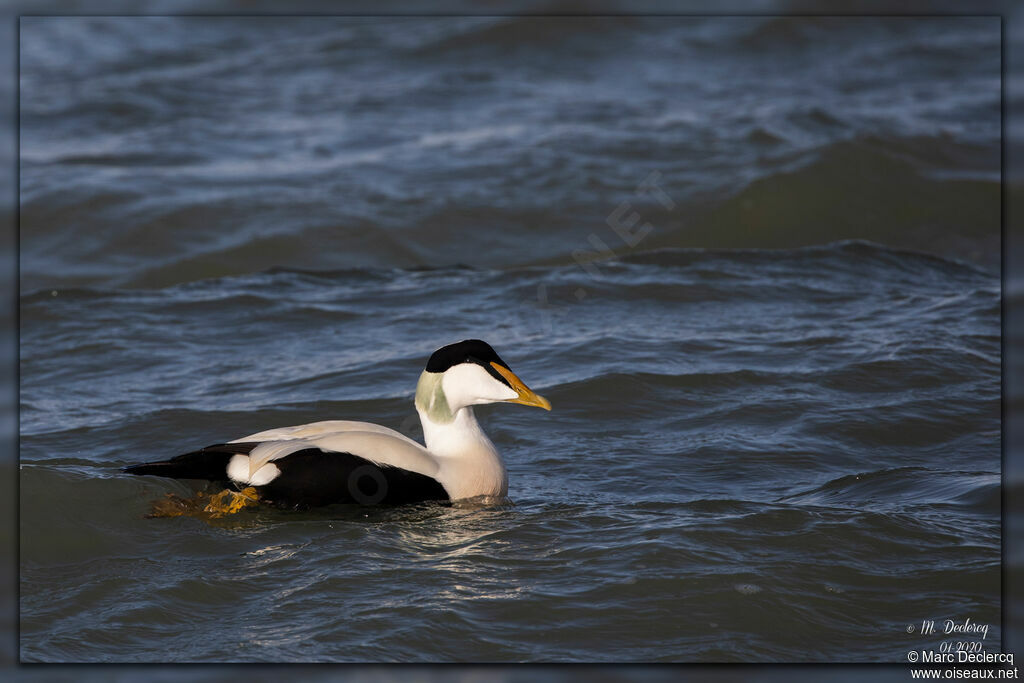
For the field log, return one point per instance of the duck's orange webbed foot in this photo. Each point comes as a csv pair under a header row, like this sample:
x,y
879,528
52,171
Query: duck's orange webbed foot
x,y
204,506
228,502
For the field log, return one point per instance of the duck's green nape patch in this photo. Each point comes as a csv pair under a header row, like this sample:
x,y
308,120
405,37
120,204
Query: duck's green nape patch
x,y
431,400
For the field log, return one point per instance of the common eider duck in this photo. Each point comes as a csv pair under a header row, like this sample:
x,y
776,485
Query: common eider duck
x,y
341,461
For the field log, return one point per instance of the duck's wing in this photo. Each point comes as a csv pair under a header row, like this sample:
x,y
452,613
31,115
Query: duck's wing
x,y
384,448
321,429
250,460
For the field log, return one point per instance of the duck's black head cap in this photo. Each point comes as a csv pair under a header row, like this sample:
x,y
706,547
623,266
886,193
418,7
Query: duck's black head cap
x,y
467,351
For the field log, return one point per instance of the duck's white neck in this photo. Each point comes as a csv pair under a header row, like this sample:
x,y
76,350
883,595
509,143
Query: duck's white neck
x,y
469,463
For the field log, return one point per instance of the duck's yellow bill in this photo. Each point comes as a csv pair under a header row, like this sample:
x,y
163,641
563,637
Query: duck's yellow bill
x,y
526,395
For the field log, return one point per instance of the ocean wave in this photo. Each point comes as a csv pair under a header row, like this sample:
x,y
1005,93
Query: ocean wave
x,y
905,486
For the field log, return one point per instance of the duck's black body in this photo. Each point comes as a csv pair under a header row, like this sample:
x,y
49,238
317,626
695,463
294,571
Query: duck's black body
x,y
309,478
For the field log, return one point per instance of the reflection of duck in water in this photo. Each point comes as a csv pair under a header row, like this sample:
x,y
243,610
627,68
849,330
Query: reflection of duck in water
x,y
339,461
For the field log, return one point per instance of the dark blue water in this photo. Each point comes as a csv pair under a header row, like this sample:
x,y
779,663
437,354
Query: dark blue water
x,y
753,263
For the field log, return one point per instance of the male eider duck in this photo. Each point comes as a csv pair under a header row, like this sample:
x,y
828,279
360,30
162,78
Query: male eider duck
x,y
340,461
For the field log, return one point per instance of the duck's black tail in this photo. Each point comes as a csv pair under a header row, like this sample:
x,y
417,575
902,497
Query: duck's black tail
x,y
209,463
